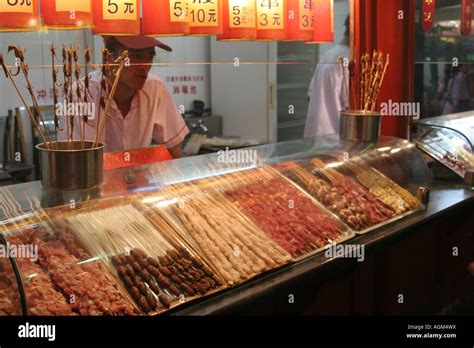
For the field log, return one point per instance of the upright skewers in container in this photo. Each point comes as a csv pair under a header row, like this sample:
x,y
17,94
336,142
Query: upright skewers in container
x,y
363,122
70,164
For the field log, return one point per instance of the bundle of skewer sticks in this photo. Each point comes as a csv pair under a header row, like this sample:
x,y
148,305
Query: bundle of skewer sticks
x,y
75,89
372,70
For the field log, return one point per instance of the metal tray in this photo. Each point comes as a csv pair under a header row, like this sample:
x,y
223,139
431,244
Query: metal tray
x,y
434,153
371,228
345,228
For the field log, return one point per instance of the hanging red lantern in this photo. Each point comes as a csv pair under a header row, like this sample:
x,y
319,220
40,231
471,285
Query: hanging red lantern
x,y
323,21
165,17
116,17
66,14
205,17
271,20
466,17
427,14
19,15
299,25
238,20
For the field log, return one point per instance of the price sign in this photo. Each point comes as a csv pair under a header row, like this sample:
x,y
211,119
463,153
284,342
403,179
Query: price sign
x,y
241,14
204,13
120,9
16,6
73,5
305,14
179,11
270,14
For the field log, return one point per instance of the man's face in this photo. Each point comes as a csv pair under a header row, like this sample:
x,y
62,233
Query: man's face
x,y
134,76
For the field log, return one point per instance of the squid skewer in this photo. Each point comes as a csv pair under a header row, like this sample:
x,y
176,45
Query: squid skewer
x,y
20,56
377,91
54,74
65,84
79,88
70,96
87,56
9,75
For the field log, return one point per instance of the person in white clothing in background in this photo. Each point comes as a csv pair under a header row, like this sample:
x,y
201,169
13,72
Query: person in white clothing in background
x,y
328,92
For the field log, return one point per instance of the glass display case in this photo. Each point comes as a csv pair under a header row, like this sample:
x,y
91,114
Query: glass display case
x,y
156,237
449,140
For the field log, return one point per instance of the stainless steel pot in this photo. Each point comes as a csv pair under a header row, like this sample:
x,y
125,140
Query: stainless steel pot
x,y
360,125
71,165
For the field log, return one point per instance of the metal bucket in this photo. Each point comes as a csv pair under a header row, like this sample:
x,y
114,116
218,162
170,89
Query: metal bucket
x,y
359,125
71,165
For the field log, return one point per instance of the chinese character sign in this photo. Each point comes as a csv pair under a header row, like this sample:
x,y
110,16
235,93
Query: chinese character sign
x,y
305,15
241,13
19,15
427,14
66,14
323,21
179,10
205,17
116,17
239,18
120,9
271,14
16,6
299,25
165,17
466,17
271,19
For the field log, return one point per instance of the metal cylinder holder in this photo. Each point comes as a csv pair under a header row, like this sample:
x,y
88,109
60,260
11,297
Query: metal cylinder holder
x,y
71,165
359,125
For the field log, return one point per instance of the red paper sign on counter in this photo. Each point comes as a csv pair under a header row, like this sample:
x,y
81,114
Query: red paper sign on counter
x,y
466,17
427,14
133,158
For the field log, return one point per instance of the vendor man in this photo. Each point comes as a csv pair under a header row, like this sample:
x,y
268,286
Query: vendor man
x,y
142,109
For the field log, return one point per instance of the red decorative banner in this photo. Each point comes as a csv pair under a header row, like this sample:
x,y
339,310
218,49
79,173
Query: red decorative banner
x,y
427,14
466,17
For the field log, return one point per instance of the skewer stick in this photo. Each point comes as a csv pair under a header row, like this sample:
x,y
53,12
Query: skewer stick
x,y
103,82
70,54
87,56
79,88
65,83
32,117
387,62
362,80
19,54
54,74
110,97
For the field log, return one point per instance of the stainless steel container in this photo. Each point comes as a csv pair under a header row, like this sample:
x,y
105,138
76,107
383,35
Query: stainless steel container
x,y
359,125
71,165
